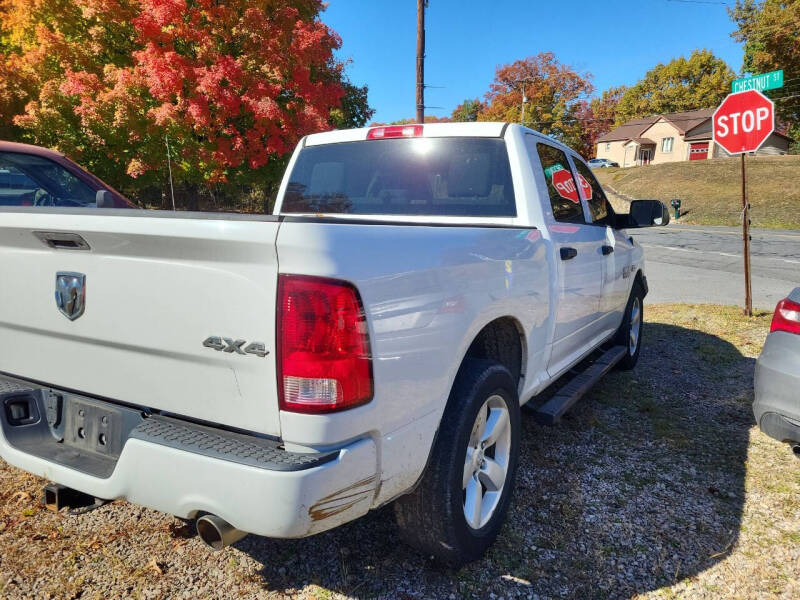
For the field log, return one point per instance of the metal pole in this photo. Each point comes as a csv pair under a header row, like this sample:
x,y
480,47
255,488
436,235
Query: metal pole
x,y
524,100
421,61
748,287
169,166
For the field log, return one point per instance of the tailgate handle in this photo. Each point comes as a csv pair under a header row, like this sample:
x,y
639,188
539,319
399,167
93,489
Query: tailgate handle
x,y
62,240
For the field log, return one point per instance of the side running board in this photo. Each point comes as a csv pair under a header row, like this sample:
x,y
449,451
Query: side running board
x,y
551,412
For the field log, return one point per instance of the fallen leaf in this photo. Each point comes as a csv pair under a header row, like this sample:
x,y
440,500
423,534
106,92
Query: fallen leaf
x,y
21,497
181,530
95,544
179,544
154,566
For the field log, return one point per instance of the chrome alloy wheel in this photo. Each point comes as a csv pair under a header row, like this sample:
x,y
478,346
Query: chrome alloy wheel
x,y
486,462
636,325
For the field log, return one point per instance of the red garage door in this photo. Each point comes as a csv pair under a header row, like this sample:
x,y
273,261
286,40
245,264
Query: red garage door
x,y
698,151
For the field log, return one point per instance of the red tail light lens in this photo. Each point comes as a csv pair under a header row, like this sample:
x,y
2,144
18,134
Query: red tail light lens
x,y
324,361
394,131
786,317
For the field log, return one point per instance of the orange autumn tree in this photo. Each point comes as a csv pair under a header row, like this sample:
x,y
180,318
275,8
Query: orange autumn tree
x,y
555,94
231,85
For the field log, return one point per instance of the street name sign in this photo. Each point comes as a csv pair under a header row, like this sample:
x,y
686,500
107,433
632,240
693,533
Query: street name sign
x,y
765,81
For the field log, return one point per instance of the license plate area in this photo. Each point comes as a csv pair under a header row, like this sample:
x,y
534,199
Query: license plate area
x,y
93,426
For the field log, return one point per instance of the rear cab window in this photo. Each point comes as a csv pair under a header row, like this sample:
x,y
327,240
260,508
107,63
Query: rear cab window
x,y
561,186
429,176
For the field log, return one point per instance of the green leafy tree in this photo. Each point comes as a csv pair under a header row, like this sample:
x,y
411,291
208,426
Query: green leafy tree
x,y
412,120
355,110
597,118
700,81
604,108
770,32
467,111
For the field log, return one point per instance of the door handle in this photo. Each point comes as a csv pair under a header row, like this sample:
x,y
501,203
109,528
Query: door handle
x,y
568,253
607,250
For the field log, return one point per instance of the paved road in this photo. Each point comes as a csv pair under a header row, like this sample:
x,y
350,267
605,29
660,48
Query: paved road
x,y
700,264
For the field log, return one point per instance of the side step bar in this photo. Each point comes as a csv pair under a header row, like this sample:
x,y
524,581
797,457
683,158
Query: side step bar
x,y
551,412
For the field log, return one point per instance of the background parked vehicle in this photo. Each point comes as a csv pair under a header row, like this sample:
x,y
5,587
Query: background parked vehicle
x,y
777,380
602,163
36,176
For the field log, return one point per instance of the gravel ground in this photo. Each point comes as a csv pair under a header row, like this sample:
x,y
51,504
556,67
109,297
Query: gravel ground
x,y
658,485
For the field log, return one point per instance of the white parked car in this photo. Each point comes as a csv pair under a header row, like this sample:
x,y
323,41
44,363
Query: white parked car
x,y
370,342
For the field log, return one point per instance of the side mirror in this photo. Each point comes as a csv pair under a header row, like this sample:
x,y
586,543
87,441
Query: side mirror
x,y
103,199
647,213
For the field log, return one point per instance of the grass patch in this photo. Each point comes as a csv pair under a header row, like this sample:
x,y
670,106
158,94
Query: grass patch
x,y
710,191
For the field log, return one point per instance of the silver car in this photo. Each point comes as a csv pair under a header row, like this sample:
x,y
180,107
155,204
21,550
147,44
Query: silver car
x,y
602,163
777,381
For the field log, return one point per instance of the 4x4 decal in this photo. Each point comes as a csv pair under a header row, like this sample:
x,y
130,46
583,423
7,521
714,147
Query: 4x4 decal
x,y
232,346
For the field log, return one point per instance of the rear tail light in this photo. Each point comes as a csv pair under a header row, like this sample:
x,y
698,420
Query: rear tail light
x,y
324,361
786,317
394,131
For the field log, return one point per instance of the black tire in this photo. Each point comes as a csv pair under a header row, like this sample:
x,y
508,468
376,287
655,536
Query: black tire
x,y
623,335
431,518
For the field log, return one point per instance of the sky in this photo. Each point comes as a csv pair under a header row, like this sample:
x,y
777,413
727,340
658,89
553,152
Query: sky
x,y
617,41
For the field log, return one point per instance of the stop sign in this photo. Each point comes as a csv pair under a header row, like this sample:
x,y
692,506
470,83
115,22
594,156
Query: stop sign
x,y
565,185
743,121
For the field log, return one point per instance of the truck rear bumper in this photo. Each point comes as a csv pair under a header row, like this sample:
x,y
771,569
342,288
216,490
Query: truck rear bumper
x,y
184,469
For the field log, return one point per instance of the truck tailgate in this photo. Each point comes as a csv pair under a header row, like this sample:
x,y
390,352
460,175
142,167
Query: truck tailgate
x,y
157,285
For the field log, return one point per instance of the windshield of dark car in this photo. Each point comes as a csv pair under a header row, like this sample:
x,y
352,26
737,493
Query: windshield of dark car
x,y
456,176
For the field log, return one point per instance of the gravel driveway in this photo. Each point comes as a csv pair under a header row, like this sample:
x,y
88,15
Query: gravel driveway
x,y
657,486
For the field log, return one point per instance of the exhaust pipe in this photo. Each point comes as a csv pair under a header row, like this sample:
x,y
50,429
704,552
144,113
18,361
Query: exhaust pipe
x,y
796,450
217,533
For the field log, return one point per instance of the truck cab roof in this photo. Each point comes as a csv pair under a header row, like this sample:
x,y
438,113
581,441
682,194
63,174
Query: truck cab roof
x,y
471,129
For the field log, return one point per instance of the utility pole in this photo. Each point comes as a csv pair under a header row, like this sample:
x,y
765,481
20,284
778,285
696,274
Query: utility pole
x,y
169,166
421,60
524,102
524,98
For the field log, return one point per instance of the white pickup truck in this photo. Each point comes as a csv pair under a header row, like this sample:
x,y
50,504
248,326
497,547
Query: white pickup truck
x,y
371,341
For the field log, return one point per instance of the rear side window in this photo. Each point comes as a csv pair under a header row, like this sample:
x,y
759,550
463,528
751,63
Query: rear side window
x,y
560,185
30,180
463,177
598,203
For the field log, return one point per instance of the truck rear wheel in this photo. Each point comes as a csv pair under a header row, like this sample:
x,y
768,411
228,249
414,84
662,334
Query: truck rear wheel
x,y
459,506
630,332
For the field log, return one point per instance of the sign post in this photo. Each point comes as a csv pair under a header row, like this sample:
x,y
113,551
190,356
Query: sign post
x,y
741,124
